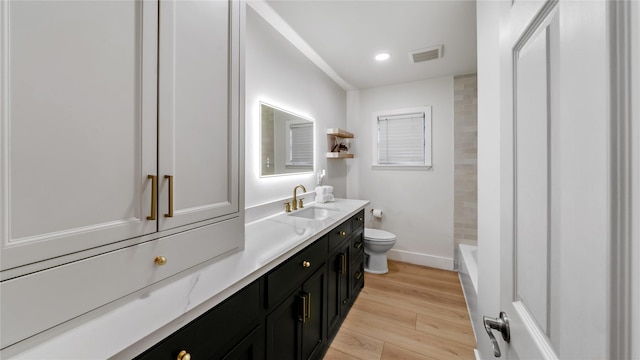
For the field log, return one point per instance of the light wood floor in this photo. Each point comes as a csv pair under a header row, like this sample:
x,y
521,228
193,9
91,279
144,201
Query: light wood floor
x,y
412,312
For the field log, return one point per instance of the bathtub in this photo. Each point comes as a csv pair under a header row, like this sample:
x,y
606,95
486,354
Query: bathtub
x,y
468,272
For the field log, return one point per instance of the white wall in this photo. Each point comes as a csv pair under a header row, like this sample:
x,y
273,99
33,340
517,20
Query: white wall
x,y
417,205
279,74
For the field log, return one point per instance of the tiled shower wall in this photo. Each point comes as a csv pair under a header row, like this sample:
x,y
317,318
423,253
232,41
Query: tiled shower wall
x,y
465,130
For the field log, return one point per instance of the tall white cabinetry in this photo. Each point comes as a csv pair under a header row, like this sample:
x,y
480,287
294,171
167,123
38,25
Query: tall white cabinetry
x,y
121,147
199,95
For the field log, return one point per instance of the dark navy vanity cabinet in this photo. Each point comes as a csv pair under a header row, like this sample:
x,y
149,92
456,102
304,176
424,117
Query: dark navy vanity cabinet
x,y
292,312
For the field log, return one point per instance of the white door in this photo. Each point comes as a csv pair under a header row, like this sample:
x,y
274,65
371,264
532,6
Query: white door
x,y
78,119
555,180
198,113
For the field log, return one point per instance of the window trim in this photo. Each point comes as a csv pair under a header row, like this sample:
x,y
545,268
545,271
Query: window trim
x,y
426,110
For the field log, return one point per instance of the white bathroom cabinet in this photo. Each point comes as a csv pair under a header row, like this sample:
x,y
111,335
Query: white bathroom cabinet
x,y
100,101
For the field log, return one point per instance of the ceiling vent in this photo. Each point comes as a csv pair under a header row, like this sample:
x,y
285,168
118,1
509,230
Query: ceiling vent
x,y
421,55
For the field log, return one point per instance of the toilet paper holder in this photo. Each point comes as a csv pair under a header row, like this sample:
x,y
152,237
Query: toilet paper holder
x,y
374,215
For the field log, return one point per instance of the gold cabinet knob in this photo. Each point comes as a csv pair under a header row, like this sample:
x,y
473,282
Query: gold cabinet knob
x,y
360,219
160,260
357,275
343,233
306,264
184,355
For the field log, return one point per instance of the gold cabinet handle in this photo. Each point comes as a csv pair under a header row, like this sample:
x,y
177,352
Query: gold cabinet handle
x,y
360,218
154,195
357,275
343,233
343,260
358,245
306,264
160,260
303,313
184,355
306,307
170,213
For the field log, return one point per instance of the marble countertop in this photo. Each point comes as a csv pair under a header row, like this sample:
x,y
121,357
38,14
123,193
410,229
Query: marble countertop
x,y
128,329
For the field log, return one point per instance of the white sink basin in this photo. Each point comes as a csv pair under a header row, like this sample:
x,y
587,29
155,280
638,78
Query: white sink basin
x,y
314,213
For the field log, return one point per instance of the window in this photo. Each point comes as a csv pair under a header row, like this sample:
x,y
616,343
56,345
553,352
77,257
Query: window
x,y
300,144
403,138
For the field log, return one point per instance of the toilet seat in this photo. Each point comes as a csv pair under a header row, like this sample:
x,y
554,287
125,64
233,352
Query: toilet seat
x,y
378,235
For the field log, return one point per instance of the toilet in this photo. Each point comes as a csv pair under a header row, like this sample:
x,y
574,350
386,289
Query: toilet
x,y
376,244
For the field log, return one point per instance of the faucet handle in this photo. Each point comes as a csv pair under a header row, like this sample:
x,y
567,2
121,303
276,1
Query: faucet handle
x,y
287,207
300,206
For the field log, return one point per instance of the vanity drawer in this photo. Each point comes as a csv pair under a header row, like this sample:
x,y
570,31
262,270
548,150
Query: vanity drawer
x,y
339,234
215,332
296,269
357,277
357,221
357,245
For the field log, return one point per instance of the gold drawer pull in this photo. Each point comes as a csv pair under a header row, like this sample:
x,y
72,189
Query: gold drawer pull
x,y
184,355
360,218
306,264
343,265
154,195
358,245
343,233
160,260
170,213
357,275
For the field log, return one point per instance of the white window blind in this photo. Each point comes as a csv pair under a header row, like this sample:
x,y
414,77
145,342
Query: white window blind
x,y
401,139
301,144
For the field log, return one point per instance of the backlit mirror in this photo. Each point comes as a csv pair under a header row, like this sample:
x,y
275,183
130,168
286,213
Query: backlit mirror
x,y
286,142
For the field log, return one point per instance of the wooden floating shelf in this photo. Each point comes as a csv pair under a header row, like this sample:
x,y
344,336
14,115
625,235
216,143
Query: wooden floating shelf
x,y
339,155
340,133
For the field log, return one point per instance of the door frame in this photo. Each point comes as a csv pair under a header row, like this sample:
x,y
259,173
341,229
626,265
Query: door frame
x,y
624,60
634,28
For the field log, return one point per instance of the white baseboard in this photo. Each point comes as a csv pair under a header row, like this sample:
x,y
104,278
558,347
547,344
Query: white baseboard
x,y
421,259
477,354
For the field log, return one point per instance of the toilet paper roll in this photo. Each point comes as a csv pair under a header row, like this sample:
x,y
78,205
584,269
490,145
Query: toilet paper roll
x,y
377,213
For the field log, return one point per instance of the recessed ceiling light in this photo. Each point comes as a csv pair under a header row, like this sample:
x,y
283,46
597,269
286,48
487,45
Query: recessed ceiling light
x,y
383,56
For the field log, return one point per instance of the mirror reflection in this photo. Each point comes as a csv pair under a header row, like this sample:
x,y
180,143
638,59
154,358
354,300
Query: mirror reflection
x,y
286,142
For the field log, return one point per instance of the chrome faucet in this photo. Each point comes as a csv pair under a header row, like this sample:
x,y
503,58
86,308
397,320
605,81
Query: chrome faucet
x,y
294,204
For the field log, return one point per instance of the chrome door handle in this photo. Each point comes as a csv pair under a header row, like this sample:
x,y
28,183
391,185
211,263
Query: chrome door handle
x,y
501,324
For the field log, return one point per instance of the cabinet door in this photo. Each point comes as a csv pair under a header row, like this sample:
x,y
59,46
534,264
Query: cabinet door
x,y
284,328
345,279
78,125
314,325
334,265
250,348
199,111
337,287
